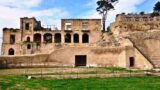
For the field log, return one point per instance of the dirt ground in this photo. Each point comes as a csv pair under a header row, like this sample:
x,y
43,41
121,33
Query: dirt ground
x,y
52,70
65,72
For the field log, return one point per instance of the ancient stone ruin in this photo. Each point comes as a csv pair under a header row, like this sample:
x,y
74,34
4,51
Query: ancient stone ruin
x,y
132,42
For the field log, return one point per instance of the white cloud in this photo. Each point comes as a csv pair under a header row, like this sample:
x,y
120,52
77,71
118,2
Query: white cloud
x,y
127,6
12,10
9,16
20,3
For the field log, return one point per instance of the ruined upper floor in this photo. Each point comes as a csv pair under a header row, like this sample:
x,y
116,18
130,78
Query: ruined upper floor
x,y
81,24
135,22
137,18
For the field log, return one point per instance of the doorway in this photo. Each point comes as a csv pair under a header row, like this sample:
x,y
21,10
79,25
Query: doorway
x,y
11,51
131,62
80,60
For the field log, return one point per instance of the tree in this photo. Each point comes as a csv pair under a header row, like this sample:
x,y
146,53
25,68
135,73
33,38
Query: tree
x,y
103,7
154,14
142,13
157,7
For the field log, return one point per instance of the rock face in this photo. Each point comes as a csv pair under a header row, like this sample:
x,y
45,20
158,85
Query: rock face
x,y
144,33
149,44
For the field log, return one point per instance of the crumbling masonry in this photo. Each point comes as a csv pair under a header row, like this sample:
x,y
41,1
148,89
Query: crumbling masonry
x,y
133,42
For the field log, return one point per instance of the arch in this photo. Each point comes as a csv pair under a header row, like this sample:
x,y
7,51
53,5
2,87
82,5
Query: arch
x,y
85,38
29,46
11,51
76,38
48,38
68,38
57,38
37,38
28,39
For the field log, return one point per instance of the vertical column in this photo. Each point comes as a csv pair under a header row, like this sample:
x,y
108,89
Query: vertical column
x,y
53,38
62,38
72,37
42,39
80,38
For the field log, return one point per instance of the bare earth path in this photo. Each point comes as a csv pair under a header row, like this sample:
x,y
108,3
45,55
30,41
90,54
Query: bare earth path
x,y
65,72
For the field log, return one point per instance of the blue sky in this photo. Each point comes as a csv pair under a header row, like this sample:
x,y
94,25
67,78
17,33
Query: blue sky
x,y
51,11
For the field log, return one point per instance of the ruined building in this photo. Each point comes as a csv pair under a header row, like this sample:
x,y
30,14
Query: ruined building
x,y
133,42
32,38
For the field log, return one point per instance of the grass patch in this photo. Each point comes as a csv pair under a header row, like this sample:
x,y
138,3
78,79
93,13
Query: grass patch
x,y
119,69
19,82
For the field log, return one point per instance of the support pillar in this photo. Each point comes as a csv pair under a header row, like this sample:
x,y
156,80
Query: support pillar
x,y
80,38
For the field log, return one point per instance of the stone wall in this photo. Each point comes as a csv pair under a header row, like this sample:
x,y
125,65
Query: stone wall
x,y
135,22
149,44
65,56
6,45
23,61
95,56
81,24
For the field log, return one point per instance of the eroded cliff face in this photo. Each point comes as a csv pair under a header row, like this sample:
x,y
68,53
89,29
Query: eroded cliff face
x,y
149,44
143,31
144,36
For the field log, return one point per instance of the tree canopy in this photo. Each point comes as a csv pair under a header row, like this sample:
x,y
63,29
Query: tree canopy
x,y
157,7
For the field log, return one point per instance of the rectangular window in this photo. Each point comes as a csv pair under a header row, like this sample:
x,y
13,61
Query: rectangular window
x,y
85,25
12,39
80,60
68,26
27,26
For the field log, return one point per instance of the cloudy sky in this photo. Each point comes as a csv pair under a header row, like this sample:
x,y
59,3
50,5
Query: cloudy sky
x,y
51,11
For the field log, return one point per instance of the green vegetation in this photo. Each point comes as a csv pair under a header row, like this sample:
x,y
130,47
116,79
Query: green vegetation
x,y
120,70
142,13
17,82
157,7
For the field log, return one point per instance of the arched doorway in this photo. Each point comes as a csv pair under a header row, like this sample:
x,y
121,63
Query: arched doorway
x,y
68,38
28,39
37,38
76,38
11,51
85,38
57,38
48,38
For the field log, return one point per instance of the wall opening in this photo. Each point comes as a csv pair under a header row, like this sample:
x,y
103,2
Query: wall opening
x,y
37,38
85,38
12,39
131,61
28,39
27,26
11,51
76,38
68,26
57,38
28,46
80,60
48,38
68,38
